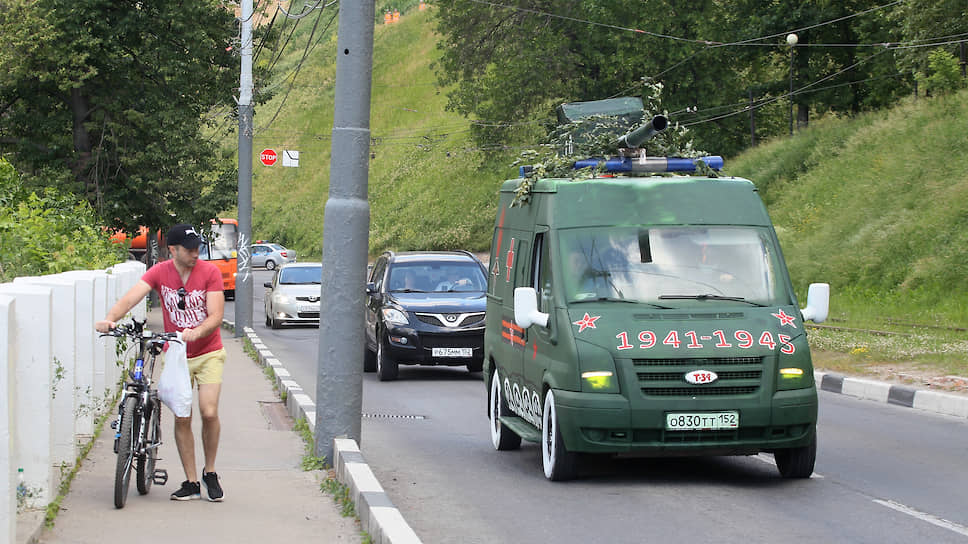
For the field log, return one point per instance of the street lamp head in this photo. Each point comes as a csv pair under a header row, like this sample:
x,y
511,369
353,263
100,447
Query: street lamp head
x,y
792,39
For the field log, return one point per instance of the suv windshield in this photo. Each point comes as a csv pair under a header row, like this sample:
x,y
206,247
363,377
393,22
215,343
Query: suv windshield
x,y
436,277
663,265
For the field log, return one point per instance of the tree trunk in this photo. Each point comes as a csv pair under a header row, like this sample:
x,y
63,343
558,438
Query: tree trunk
x,y
80,110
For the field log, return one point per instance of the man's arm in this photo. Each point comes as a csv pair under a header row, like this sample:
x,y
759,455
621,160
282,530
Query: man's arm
x,y
123,306
215,304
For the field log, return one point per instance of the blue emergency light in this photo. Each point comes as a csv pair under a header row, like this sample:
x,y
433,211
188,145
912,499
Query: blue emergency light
x,y
634,165
622,165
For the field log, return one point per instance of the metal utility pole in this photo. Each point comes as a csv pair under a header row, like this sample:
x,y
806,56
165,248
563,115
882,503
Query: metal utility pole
x,y
792,41
346,227
243,277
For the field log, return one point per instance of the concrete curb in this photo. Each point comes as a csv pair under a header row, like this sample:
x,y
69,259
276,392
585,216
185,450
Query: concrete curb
x,y
901,395
378,516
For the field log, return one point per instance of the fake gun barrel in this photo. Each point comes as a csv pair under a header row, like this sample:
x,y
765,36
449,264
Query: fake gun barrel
x,y
644,133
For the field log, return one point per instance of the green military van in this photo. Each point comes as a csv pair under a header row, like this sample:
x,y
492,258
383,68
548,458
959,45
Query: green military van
x,y
646,315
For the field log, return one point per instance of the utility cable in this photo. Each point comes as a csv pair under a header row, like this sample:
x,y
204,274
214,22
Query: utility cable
x,y
309,47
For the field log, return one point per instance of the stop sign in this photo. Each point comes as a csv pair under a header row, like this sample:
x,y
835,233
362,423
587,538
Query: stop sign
x,y
268,157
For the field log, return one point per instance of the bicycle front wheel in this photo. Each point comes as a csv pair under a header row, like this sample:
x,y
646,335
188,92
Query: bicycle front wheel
x,y
127,447
146,460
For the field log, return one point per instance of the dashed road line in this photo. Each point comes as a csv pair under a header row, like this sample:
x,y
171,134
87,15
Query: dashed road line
x,y
932,519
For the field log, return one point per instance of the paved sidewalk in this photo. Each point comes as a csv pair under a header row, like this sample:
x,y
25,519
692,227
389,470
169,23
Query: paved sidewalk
x,y
268,497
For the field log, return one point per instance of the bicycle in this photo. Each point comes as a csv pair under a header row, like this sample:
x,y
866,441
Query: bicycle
x,y
138,425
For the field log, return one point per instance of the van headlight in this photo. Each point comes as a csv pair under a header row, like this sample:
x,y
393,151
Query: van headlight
x,y
597,369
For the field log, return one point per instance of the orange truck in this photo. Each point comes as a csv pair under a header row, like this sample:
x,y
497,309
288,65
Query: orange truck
x,y
220,247
140,249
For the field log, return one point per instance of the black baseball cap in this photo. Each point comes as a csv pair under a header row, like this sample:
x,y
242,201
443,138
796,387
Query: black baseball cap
x,y
183,235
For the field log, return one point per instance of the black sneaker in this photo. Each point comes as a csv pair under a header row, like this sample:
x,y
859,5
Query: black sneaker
x,y
215,493
189,491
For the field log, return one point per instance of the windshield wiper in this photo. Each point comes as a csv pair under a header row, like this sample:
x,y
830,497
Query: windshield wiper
x,y
407,290
707,296
614,299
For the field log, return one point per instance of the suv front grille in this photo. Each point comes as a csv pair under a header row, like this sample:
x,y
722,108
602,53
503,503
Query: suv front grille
x,y
666,377
457,321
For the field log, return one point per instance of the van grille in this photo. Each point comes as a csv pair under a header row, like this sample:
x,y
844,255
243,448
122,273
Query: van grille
x,y
666,377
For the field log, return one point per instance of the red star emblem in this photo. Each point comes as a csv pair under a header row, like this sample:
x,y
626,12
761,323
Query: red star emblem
x,y
785,319
587,322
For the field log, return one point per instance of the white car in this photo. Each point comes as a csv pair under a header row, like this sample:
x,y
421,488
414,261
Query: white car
x,y
293,294
271,255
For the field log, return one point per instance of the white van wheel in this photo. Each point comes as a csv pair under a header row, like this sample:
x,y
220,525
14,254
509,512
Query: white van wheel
x,y
503,438
559,463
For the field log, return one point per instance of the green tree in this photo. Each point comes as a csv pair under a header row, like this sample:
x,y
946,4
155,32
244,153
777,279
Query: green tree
x,y
48,232
924,22
108,99
942,76
511,63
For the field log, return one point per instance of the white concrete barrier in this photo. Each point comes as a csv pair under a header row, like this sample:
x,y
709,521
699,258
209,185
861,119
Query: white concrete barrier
x,y
33,415
89,379
91,386
8,405
56,376
63,357
84,336
112,368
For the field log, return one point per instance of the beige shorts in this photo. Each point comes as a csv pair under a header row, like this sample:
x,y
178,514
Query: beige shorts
x,y
207,368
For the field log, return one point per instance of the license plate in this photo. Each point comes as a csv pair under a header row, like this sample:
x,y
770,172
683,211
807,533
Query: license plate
x,y
308,307
452,352
702,421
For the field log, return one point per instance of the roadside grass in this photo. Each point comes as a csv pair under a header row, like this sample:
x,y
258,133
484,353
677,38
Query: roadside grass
x,y
429,186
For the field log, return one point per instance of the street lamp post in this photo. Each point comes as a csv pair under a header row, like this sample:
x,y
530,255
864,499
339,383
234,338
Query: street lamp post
x,y
792,41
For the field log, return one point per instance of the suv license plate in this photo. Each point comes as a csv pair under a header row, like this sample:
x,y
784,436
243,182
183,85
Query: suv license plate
x,y
702,421
452,352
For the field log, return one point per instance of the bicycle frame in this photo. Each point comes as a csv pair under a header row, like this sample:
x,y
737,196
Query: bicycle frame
x,y
144,418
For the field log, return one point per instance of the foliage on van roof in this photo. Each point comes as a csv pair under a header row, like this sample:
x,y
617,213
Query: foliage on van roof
x,y
674,200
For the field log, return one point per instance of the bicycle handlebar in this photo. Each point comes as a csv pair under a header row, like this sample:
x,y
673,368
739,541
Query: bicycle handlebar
x,y
135,332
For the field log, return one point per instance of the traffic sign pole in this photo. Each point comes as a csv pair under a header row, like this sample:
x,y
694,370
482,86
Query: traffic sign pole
x,y
243,276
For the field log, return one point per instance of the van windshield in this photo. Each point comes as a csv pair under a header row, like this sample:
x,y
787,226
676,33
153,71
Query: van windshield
x,y
665,265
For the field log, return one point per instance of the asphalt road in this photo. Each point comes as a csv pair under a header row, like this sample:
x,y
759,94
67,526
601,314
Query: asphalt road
x,y
884,473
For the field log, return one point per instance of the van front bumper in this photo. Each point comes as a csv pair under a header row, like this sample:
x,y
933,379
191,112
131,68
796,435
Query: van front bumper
x,y
608,423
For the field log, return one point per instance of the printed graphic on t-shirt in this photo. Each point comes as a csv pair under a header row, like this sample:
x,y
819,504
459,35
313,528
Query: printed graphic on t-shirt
x,y
196,309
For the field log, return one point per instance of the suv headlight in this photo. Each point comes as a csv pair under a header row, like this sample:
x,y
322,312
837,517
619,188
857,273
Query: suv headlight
x,y
395,316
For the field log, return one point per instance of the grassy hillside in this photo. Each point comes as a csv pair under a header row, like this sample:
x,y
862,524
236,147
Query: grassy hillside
x,y
428,186
876,205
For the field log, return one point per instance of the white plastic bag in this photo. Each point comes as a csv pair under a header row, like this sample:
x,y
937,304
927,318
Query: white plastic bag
x,y
175,385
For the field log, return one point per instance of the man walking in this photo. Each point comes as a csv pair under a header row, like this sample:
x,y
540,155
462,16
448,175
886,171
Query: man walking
x,y
192,302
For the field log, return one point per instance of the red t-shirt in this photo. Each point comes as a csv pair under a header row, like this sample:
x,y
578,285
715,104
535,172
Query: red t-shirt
x,y
205,277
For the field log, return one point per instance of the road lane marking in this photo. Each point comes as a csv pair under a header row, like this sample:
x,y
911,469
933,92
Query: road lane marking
x,y
768,459
934,520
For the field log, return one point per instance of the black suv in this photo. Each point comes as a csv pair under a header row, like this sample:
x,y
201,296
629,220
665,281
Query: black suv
x,y
425,308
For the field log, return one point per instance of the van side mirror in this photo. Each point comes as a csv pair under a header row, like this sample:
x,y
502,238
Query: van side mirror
x,y
818,303
370,288
526,308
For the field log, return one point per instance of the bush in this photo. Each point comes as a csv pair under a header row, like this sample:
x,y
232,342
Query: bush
x,y
49,233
